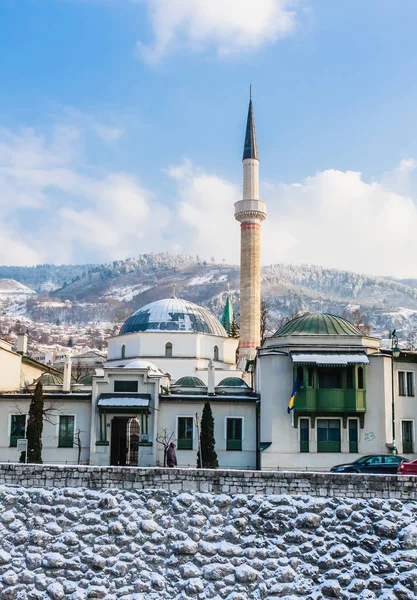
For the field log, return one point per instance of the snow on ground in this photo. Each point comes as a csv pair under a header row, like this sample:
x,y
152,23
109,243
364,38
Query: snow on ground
x,y
75,544
126,293
209,277
10,287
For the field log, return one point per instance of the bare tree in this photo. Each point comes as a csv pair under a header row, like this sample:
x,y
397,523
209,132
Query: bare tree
x,y
359,320
165,437
265,318
78,444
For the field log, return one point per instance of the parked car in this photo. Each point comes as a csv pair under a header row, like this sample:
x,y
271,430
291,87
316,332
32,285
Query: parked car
x,y
384,464
408,468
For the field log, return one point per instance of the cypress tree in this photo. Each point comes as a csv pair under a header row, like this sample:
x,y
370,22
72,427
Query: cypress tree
x,y
35,426
234,328
207,441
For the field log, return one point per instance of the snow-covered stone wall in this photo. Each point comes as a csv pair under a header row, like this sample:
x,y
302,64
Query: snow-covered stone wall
x,y
76,544
213,481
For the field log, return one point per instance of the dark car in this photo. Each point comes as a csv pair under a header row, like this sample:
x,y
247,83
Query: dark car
x,y
383,464
408,468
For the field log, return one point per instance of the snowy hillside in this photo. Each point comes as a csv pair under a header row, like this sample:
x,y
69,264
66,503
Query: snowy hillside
x,y
88,295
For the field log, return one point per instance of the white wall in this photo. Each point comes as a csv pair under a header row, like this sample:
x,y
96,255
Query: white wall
x,y
246,458
10,369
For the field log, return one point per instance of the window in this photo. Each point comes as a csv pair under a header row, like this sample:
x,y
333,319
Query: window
x,y
310,377
328,435
353,435
123,351
132,435
66,431
216,353
17,429
185,433
168,350
126,386
401,383
360,378
234,433
300,376
407,436
330,378
349,378
410,383
304,435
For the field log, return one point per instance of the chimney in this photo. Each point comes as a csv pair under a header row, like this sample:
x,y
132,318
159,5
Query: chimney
x,y
22,343
66,386
210,378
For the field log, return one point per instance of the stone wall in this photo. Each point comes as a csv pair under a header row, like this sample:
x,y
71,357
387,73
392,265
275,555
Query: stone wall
x,y
213,481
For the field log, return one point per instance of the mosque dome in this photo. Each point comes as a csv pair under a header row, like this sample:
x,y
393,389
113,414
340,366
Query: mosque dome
x,y
189,385
50,379
173,315
86,380
318,324
237,382
142,364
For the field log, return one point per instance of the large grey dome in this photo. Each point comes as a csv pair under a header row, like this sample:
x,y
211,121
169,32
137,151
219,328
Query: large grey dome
x,y
173,314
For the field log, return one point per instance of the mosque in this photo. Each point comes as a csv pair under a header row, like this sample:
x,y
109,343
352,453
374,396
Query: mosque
x,y
318,392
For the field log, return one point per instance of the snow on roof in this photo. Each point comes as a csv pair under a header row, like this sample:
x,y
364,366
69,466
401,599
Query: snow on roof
x,y
143,364
124,401
330,359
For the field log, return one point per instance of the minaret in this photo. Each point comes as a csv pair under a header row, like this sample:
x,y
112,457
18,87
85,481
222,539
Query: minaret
x,y
250,212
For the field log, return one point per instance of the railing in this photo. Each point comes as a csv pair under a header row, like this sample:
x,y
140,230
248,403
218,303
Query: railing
x,y
330,400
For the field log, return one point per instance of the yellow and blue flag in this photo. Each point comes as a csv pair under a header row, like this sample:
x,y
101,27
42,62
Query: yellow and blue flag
x,y
293,395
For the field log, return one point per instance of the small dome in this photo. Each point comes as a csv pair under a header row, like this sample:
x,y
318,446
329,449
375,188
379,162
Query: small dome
x,y
318,324
173,315
142,364
190,382
233,382
50,379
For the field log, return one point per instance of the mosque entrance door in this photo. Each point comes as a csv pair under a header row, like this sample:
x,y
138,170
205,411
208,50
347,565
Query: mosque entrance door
x,y
118,445
124,444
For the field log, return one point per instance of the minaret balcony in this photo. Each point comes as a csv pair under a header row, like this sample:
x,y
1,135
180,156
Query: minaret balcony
x,y
250,209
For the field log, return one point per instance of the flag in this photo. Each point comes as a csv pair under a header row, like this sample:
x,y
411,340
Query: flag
x,y
293,395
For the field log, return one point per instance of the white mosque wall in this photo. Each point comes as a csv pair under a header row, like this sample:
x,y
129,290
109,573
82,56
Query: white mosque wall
x,y
51,452
243,459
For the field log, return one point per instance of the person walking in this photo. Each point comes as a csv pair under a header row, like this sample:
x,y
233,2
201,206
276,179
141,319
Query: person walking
x,y
171,456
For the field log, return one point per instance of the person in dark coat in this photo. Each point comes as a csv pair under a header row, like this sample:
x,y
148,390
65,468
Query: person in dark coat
x,y
171,456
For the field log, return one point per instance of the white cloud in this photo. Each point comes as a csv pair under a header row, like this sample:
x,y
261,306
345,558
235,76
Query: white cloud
x,y
230,26
334,219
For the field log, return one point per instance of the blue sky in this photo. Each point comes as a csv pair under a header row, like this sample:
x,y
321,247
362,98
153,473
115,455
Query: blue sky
x,y
122,123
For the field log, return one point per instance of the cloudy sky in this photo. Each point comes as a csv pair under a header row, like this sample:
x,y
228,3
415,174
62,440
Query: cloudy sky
x,y
122,125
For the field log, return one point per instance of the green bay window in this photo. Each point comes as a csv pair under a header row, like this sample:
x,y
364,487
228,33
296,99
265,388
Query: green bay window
x,y
328,435
66,431
185,433
17,429
234,430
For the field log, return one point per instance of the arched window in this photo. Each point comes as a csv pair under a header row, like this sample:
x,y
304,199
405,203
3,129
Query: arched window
x,y
216,353
132,435
168,350
360,378
123,351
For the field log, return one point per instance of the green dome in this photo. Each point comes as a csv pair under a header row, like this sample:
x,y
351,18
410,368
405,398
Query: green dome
x,y
50,379
189,381
318,324
233,382
86,380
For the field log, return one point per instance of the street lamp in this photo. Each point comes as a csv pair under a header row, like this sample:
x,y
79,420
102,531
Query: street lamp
x,y
395,353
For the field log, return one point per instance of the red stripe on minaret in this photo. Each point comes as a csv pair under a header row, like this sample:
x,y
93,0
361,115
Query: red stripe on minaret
x,y
246,226
247,345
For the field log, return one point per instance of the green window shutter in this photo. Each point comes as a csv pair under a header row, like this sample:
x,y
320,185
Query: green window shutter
x,y
17,429
234,433
66,431
304,435
407,436
328,435
353,435
185,433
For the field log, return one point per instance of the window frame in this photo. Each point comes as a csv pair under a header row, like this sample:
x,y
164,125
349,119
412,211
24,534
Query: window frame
x,y
169,350
401,383
352,442
408,449
238,445
216,353
329,445
16,437
119,381
181,445
304,444
62,445
409,392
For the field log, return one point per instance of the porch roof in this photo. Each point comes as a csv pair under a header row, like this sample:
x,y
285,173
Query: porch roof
x,y
329,359
116,401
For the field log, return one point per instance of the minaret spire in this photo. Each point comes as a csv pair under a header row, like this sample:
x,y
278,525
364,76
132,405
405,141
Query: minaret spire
x,y
250,149
250,212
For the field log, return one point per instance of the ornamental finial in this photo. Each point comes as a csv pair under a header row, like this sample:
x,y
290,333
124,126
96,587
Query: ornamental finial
x,y
174,291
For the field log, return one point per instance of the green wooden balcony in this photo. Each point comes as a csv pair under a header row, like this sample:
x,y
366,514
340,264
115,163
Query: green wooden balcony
x,y
330,400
